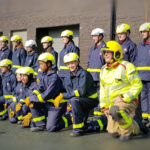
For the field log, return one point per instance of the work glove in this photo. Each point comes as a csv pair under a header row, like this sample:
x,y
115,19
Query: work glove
x,y
18,107
5,106
11,113
28,103
57,100
26,120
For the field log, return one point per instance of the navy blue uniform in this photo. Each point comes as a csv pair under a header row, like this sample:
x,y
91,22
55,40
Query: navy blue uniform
x,y
129,50
95,63
83,97
48,88
17,96
26,92
32,61
63,69
6,53
143,67
18,58
8,85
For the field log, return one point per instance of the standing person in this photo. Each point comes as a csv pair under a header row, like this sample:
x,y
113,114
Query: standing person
x,y
82,95
8,84
32,56
19,54
143,67
69,46
5,52
119,90
128,46
96,60
47,43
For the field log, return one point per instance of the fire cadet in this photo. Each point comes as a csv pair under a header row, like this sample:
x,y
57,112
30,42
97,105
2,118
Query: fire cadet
x,y
120,86
19,54
8,83
23,113
143,67
47,43
5,52
69,46
82,95
129,48
42,99
16,94
32,56
96,60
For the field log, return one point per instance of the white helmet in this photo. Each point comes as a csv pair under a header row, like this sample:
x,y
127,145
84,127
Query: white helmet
x,y
30,43
98,31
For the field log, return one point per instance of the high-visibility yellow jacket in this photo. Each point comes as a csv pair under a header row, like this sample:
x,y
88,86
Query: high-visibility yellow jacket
x,y
121,79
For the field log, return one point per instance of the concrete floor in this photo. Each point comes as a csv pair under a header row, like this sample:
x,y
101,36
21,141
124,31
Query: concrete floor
x,y
13,137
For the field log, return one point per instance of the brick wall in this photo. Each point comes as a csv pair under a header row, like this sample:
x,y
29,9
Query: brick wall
x,y
32,14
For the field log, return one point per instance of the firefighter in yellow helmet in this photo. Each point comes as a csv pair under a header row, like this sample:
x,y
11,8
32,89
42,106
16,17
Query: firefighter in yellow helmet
x,y
19,53
47,43
5,52
120,86
128,46
143,67
69,46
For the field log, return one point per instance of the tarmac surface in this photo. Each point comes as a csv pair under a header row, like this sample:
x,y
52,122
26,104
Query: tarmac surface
x,y
13,137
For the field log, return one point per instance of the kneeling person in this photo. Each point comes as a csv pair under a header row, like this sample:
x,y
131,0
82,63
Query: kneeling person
x,y
119,90
82,96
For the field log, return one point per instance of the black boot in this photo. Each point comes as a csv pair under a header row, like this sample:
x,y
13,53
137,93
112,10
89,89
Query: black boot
x,y
142,126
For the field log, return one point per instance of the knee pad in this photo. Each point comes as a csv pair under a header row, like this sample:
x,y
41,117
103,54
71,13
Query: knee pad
x,y
114,112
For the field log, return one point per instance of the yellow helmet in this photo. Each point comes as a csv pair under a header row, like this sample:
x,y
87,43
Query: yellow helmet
x,y
114,47
4,39
47,39
71,57
145,27
26,70
47,57
18,71
123,28
67,33
5,63
16,38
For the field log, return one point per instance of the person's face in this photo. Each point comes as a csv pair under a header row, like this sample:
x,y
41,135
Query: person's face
x,y
14,44
3,44
19,77
108,56
97,38
24,79
65,39
29,49
43,66
45,45
145,35
4,69
122,36
73,65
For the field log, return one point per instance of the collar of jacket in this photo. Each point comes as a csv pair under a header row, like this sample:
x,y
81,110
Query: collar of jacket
x,y
147,42
123,42
49,73
114,65
5,48
8,74
98,45
31,54
79,70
